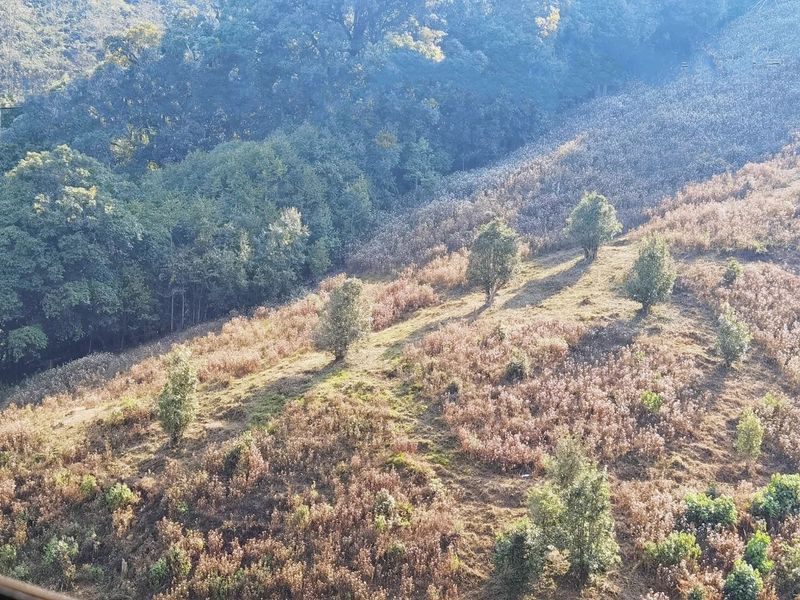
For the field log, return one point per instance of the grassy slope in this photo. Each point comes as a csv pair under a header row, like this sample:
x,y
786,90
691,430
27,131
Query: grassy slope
x,y
560,286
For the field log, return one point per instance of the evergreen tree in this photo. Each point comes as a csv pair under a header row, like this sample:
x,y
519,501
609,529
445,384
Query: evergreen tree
x,y
653,275
493,259
733,337
592,223
177,403
345,320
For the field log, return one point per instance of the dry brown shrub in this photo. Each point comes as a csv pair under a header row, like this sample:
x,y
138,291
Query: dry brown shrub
x,y
596,396
766,297
394,301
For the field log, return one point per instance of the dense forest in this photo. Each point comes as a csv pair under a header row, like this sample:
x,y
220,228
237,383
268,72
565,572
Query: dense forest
x,y
172,163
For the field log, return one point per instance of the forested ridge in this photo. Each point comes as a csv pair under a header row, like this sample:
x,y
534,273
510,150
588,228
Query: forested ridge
x,y
214,156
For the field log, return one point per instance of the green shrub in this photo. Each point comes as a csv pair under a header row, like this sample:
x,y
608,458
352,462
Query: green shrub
x,y
733,337
733,271
518,368
177,403
159,575
742,583
518,556
178,563
780,499
653,275
756,552
696,593
676,548
701,510
749,435
787,570
88,487
8,558
58,556
120,496
652,402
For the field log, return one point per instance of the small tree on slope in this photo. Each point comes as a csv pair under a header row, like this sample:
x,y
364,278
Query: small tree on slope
x,y
592,223
653,275
177,403
493,259
733,337
345,320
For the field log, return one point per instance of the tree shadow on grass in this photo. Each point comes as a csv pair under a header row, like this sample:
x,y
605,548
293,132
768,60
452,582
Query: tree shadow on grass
x,y
537,291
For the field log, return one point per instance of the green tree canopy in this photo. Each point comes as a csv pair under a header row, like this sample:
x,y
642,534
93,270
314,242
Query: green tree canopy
x,y
493,258
592,223
653,275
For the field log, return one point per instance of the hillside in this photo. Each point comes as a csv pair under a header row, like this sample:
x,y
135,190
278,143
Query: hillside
x,y
282,485
216,160
734,103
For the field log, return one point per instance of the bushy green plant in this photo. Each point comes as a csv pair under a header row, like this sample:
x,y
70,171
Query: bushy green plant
x,y
573,511
177,403
653,274
756,552
88,487
493,258
696,593
59,554
733,271
159,575
8,557
702,509
592,223
518,368
742,583
676,548
733,336
749,435
345,320
120,495
518,556
787,570
652,402
780,499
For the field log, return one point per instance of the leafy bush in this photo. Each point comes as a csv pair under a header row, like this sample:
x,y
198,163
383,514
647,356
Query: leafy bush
x,y
749,435
88,487
743,583
701,510
345,319
733,271
8,556
787,570
676,548
119,496
756,552
652,401
177,403
572,509
518,367
518,556
696,593
653,275
733,337
592,223
59,554
493,258
780,499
